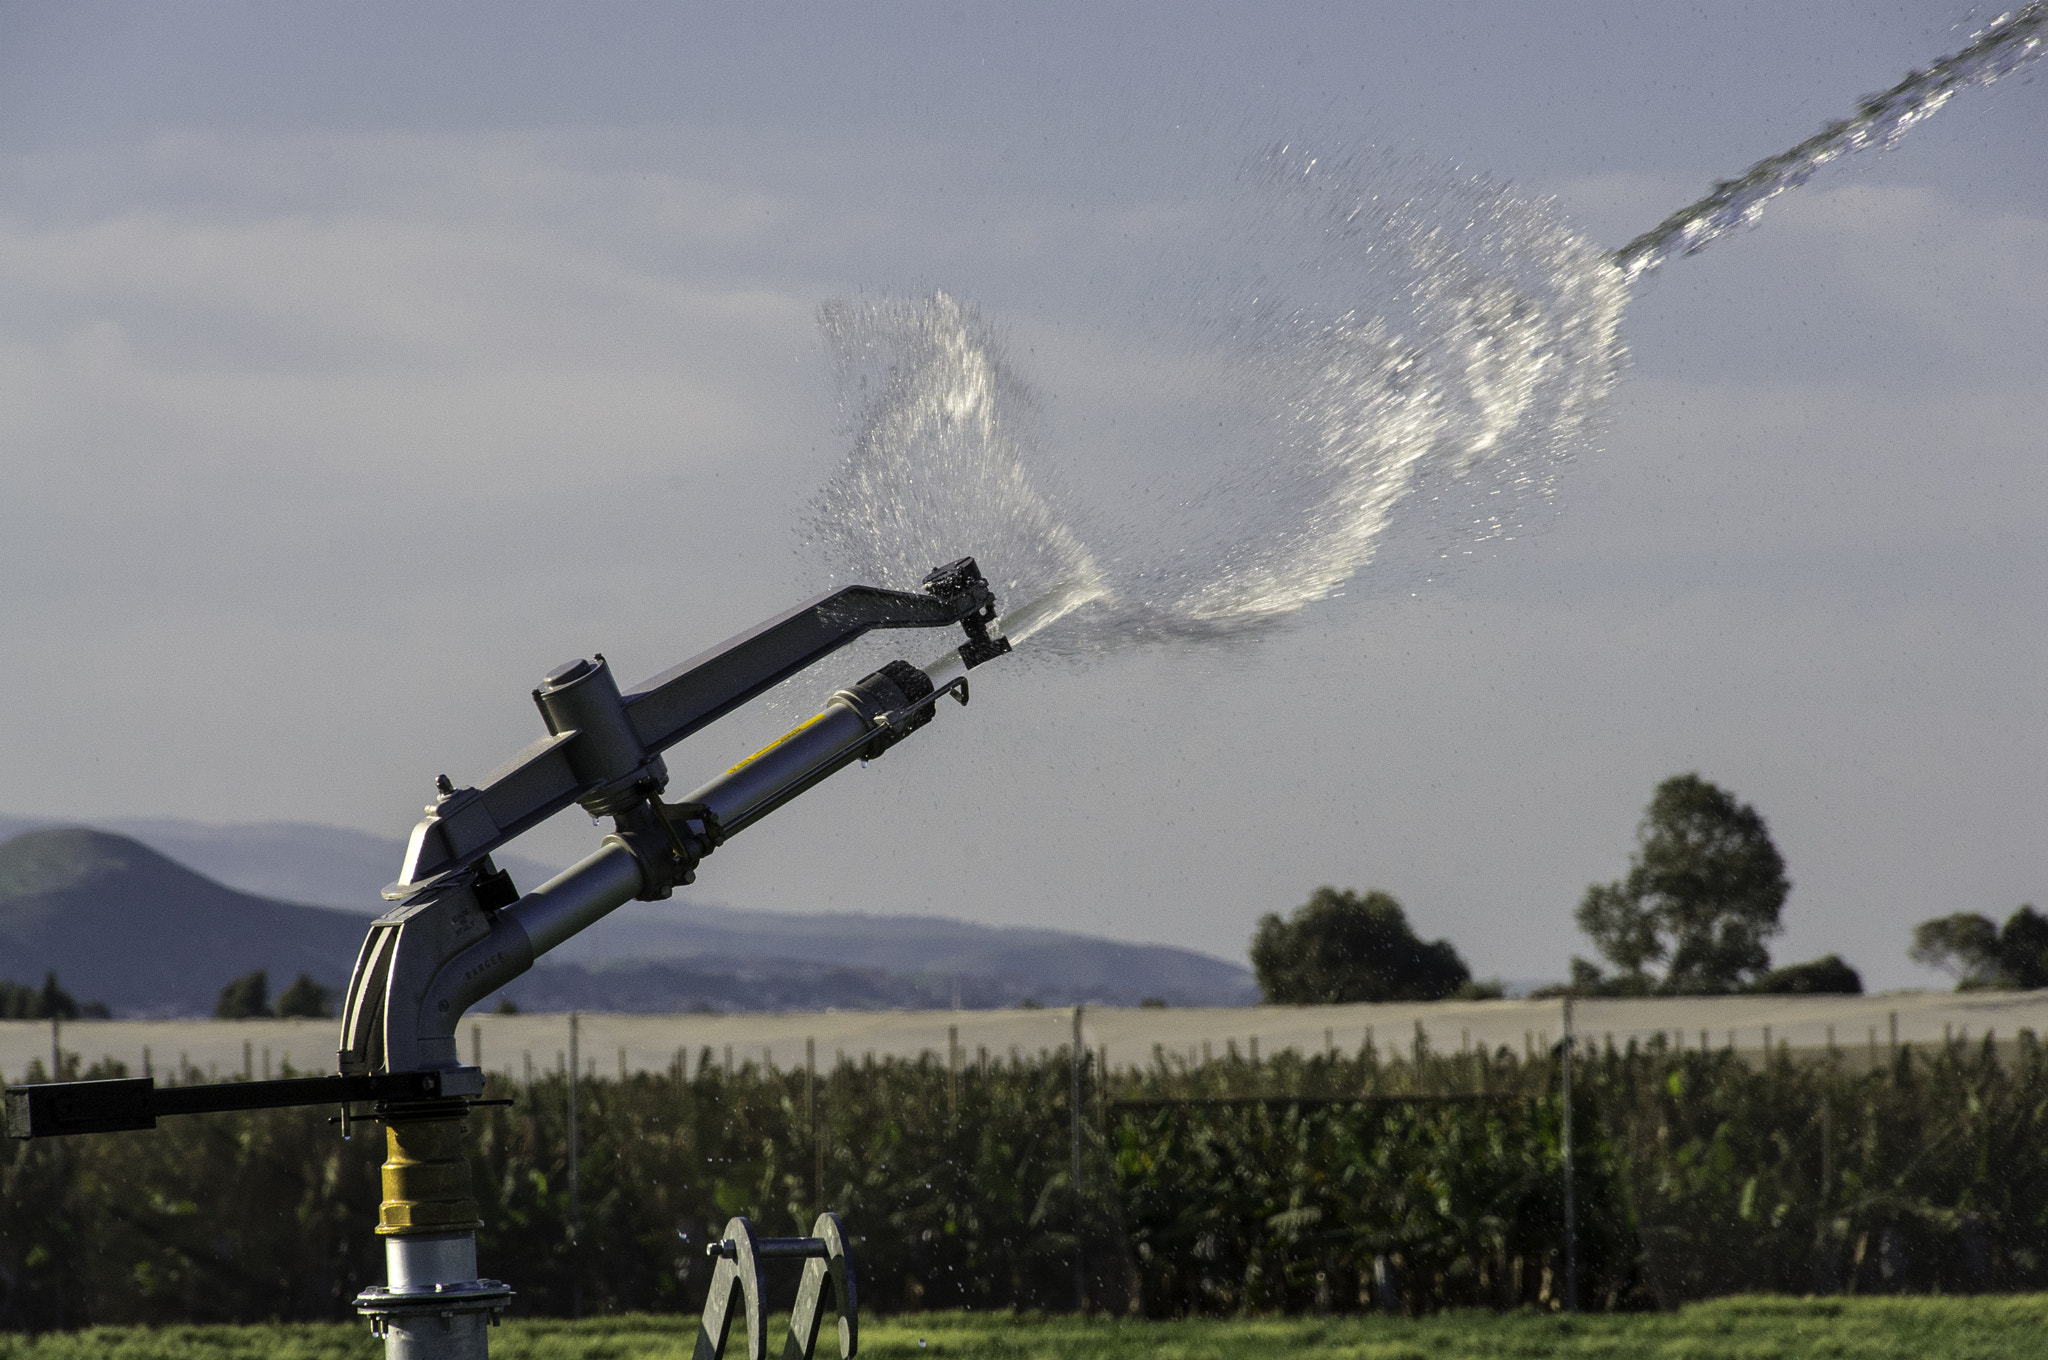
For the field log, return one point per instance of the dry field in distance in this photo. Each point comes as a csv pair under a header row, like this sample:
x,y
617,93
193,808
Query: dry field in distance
x,y
1861,1027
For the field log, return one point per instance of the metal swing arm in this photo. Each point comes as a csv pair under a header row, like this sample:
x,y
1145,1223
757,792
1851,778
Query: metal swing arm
x,y
460,930
604,748
125,1104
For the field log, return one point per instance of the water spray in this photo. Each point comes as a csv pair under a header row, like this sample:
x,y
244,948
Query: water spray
x,y
2008,43
459,930
1406,339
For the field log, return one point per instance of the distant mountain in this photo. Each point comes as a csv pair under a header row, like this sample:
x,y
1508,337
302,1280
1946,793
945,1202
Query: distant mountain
x,y
1003,964
328,866
714,983
122,924
125,924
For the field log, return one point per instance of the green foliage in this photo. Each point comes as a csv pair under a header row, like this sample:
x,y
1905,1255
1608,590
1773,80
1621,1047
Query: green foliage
x,y
304,997
245,998
19,1001
1341,1183
1702,895
1980,955
1340,947
1826,976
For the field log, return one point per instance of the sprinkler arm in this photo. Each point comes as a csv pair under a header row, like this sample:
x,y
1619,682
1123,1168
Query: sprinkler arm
x,y
461,931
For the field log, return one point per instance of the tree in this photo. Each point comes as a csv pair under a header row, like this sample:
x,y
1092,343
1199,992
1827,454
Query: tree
x,y
1979,955
20,1001
1703,893
1340,947
1827,976
245,998
307,998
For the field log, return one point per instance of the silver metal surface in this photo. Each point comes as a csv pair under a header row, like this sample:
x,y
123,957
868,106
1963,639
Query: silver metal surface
x,y
577,897
420,1263
435,1307
402,1005
771,777
437,1336
427,962
607,756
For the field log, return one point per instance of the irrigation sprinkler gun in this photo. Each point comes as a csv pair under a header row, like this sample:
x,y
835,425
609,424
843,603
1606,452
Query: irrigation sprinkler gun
x,y
459,931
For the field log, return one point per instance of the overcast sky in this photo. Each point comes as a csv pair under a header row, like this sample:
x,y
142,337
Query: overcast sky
x,y
359,363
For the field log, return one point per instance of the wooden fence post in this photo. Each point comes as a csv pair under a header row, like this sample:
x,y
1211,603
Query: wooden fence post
x,y
1571,1235
1074,1061
575,1177
811,1117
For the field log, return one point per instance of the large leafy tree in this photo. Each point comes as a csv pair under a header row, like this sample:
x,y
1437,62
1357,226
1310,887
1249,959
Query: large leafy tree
x,y
1702,895
1341,947
1979,954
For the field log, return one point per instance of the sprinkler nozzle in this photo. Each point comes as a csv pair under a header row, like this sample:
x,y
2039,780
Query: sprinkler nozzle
x,y
961,579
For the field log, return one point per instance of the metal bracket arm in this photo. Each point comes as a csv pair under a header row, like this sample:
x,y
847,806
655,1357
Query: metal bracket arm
x,y
736,1282
604,747
53,1109
461,931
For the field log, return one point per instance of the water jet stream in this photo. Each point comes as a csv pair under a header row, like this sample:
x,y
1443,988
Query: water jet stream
x,y
2009,43
1391,336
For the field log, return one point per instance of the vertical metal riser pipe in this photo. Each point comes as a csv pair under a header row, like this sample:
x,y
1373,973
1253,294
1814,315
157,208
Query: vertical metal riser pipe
x,y
434,1306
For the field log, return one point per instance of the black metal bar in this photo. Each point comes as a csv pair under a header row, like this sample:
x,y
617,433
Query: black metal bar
x,y
805,1247
712,684
541,781
57,1109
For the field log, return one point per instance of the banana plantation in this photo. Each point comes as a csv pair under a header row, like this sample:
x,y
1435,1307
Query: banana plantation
x,y
1329,1183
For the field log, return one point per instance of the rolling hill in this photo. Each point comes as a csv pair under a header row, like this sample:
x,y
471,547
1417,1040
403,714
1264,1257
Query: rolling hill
x,y
123,923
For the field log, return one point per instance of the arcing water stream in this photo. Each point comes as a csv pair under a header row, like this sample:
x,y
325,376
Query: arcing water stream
x,y
2007,44
1402,337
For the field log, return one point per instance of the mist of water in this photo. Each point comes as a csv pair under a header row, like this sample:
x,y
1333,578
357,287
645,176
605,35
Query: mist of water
x,y
1397,330
1384,336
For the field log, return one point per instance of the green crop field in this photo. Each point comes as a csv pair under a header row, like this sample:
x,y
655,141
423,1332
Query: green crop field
x,y
1749,1328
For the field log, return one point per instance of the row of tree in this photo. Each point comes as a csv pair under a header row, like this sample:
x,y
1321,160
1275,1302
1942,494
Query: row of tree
x,y
1704,894
1383,1181
19,1001
246,998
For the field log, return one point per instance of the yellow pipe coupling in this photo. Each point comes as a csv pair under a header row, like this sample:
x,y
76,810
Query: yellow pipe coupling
x,y
426,1178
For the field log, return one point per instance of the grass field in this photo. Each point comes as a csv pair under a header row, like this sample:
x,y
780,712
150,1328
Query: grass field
x,y
1982,1328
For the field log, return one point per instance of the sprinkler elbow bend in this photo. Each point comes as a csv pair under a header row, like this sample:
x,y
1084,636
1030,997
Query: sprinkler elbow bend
x,y
567,903
474,974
